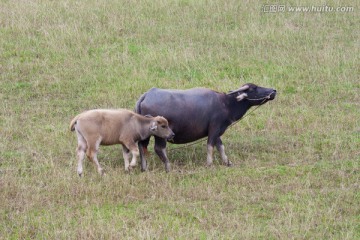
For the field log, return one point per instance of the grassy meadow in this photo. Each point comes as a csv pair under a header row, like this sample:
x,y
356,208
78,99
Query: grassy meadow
x,y
296,171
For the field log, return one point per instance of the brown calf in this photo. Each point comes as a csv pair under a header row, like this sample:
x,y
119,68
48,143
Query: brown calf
x,y
108,127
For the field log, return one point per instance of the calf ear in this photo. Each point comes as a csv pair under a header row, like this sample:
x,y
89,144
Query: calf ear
x,y
241,97
153,126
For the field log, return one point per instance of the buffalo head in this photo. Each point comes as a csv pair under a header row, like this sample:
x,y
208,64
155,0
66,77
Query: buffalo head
x,y
255,95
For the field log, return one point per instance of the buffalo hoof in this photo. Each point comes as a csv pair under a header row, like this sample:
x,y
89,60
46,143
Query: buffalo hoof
x,y
143,167
167,167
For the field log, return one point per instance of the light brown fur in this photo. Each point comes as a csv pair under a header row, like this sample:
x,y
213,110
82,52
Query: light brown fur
x,y
109,127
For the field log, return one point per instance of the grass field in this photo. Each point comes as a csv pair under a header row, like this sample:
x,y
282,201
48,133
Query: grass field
x,y
296,171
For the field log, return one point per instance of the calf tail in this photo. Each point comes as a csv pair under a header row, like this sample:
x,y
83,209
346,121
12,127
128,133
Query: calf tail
x,y
138,103
73,123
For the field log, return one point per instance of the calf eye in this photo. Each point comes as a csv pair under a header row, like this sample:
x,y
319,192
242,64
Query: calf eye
x,y
163,126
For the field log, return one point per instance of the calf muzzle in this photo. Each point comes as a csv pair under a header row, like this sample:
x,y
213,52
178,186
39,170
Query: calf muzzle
x,y
171,136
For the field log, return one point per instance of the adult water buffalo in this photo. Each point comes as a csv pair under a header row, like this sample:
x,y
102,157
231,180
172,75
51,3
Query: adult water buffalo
x,y
196,113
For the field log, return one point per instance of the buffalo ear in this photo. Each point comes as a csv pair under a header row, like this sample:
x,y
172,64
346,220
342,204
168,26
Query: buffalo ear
x,y
153,126
241,97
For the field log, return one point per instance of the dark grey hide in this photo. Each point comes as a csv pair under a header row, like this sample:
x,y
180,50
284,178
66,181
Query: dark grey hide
x,y
197,113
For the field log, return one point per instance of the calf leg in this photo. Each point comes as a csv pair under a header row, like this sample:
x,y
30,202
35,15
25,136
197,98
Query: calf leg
x,y
220,147
92,155
80,152
135,153
126,155
133,148
160,149
142,149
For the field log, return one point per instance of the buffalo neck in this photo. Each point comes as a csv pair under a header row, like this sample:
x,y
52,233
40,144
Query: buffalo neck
x,y
237,109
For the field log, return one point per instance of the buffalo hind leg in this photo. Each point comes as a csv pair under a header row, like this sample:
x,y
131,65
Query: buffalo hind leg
x,y
220,147
160,149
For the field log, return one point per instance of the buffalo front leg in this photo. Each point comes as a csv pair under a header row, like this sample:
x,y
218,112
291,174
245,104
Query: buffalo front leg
x,y
209,158
220,147
160,149
214,139
210,148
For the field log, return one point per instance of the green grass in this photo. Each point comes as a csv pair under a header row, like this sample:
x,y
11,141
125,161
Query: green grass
x,y
296,159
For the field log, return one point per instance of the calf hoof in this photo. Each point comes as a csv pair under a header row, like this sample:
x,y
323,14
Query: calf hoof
x,y
132,165
101,172
80,174
226,163
128,169
209,162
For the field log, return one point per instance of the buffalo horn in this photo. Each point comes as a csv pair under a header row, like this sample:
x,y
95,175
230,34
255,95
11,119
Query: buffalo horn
x,y
243,88
241,97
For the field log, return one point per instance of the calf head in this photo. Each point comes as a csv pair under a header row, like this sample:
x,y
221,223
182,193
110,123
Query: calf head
x,y
255,95
160,127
